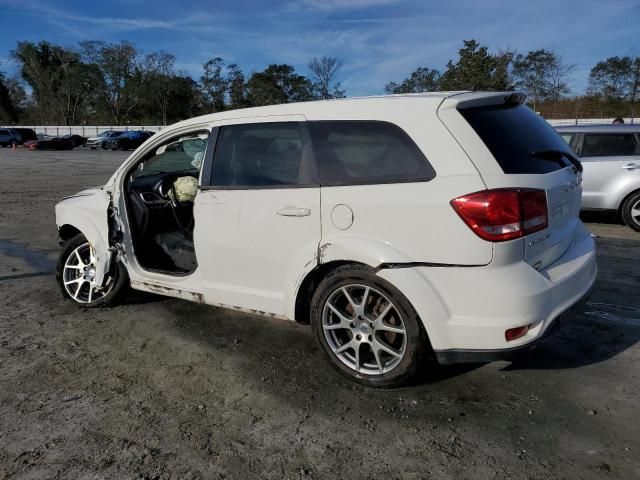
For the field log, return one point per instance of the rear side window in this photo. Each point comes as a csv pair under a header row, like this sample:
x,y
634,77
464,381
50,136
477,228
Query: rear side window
x,y
519,139
366,152
258,155
609,145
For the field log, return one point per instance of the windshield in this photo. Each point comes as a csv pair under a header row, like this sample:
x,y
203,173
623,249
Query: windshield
x,y
519,139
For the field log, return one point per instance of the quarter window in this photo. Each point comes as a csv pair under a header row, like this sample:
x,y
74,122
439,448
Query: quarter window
x,y
366,152
258,155
609,144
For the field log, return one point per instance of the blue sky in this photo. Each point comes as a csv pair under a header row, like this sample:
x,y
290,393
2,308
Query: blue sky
x,y
379,40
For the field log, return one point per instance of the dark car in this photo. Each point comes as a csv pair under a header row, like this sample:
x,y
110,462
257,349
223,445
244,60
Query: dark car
x,y
47,142
25,135
128,140
9,137
78,140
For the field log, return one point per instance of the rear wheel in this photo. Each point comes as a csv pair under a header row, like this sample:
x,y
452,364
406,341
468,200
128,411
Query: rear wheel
x,y
75,274
631,211
367,328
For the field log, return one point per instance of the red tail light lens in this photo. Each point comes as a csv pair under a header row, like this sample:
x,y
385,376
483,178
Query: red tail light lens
x,y
503,214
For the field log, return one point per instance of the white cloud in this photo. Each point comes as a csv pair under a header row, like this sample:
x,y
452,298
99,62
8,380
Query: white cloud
x,y
340,4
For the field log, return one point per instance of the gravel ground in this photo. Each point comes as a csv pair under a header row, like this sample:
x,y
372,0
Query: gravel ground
x,y
163,388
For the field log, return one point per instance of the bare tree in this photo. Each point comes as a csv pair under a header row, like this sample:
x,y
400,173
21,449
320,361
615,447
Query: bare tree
x,y
323,72
159,72
214,84
121,82
542,74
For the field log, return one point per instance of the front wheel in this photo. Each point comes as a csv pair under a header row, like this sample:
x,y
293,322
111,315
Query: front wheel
x,y
367,327
75,274
631,212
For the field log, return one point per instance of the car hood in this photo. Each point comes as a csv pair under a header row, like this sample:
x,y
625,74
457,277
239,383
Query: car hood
x,y
85,193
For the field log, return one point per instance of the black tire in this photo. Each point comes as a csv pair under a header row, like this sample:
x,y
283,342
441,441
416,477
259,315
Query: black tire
x,y
628,207
118,272
417,345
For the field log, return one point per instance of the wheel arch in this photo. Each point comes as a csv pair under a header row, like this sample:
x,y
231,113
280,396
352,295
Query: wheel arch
x,y
624,200
308,286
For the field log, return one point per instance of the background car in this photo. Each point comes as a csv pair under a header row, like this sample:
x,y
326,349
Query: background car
x,y
128,140
610,155
9,137
25,135
77,140
101,139
48,142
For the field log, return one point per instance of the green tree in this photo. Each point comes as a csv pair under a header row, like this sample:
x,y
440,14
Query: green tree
x,y
477,69
616,79
324,71
542,75
422,80
8,111
278,84
58,78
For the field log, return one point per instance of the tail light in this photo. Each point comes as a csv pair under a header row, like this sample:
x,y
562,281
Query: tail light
x,y
503,214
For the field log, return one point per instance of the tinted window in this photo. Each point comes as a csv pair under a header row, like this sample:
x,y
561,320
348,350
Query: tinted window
x,y
610,144
513,134
357,152
259,155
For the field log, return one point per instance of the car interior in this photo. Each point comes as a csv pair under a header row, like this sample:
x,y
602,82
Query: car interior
x,y
159,198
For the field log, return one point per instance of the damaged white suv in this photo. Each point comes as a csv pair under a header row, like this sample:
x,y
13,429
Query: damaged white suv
x,y
400,227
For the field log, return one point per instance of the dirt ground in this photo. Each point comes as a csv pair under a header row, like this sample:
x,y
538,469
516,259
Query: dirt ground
x,y
163,388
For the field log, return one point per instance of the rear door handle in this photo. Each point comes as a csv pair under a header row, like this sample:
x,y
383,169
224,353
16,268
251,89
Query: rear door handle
x,y
630,166
294,212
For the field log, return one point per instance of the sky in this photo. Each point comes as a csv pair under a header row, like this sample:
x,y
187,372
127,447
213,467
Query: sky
x,y
378,40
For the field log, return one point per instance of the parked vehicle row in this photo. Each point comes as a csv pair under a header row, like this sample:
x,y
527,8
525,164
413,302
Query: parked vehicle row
x,y
16,136
118,140
610,155
405,227
110,139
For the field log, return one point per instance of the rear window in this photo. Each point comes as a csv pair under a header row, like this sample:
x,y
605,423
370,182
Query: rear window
x,y
516,135
366,152
609,145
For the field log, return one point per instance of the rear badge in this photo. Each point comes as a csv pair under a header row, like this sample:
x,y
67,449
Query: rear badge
x,y
538,240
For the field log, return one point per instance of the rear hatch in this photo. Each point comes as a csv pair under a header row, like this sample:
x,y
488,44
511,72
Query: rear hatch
x,y
514,148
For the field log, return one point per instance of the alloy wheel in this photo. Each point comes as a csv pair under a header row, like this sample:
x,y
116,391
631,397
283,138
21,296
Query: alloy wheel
x,y
364,329
79,273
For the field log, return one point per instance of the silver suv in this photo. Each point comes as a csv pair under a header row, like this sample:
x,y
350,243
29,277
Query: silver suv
x,y
610,155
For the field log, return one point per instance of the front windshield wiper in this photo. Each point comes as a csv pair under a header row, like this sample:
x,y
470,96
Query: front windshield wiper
x,y
554,156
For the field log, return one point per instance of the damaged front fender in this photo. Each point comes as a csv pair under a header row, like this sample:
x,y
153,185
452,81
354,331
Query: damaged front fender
x,y
87,212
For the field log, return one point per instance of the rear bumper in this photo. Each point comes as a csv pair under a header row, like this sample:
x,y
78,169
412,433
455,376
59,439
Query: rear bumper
x,y
446,357
466,310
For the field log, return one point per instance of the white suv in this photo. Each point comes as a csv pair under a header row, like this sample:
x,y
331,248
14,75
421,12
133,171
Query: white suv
x,y
400,226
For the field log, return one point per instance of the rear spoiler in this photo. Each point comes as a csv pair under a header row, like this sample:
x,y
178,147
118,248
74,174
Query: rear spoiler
x,y
482,99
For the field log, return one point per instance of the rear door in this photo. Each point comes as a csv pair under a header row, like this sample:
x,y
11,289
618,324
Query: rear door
x,y
607,158
513,147
258,220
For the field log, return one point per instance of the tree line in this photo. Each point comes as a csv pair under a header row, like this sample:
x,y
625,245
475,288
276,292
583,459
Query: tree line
x,y
613,84
115,83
